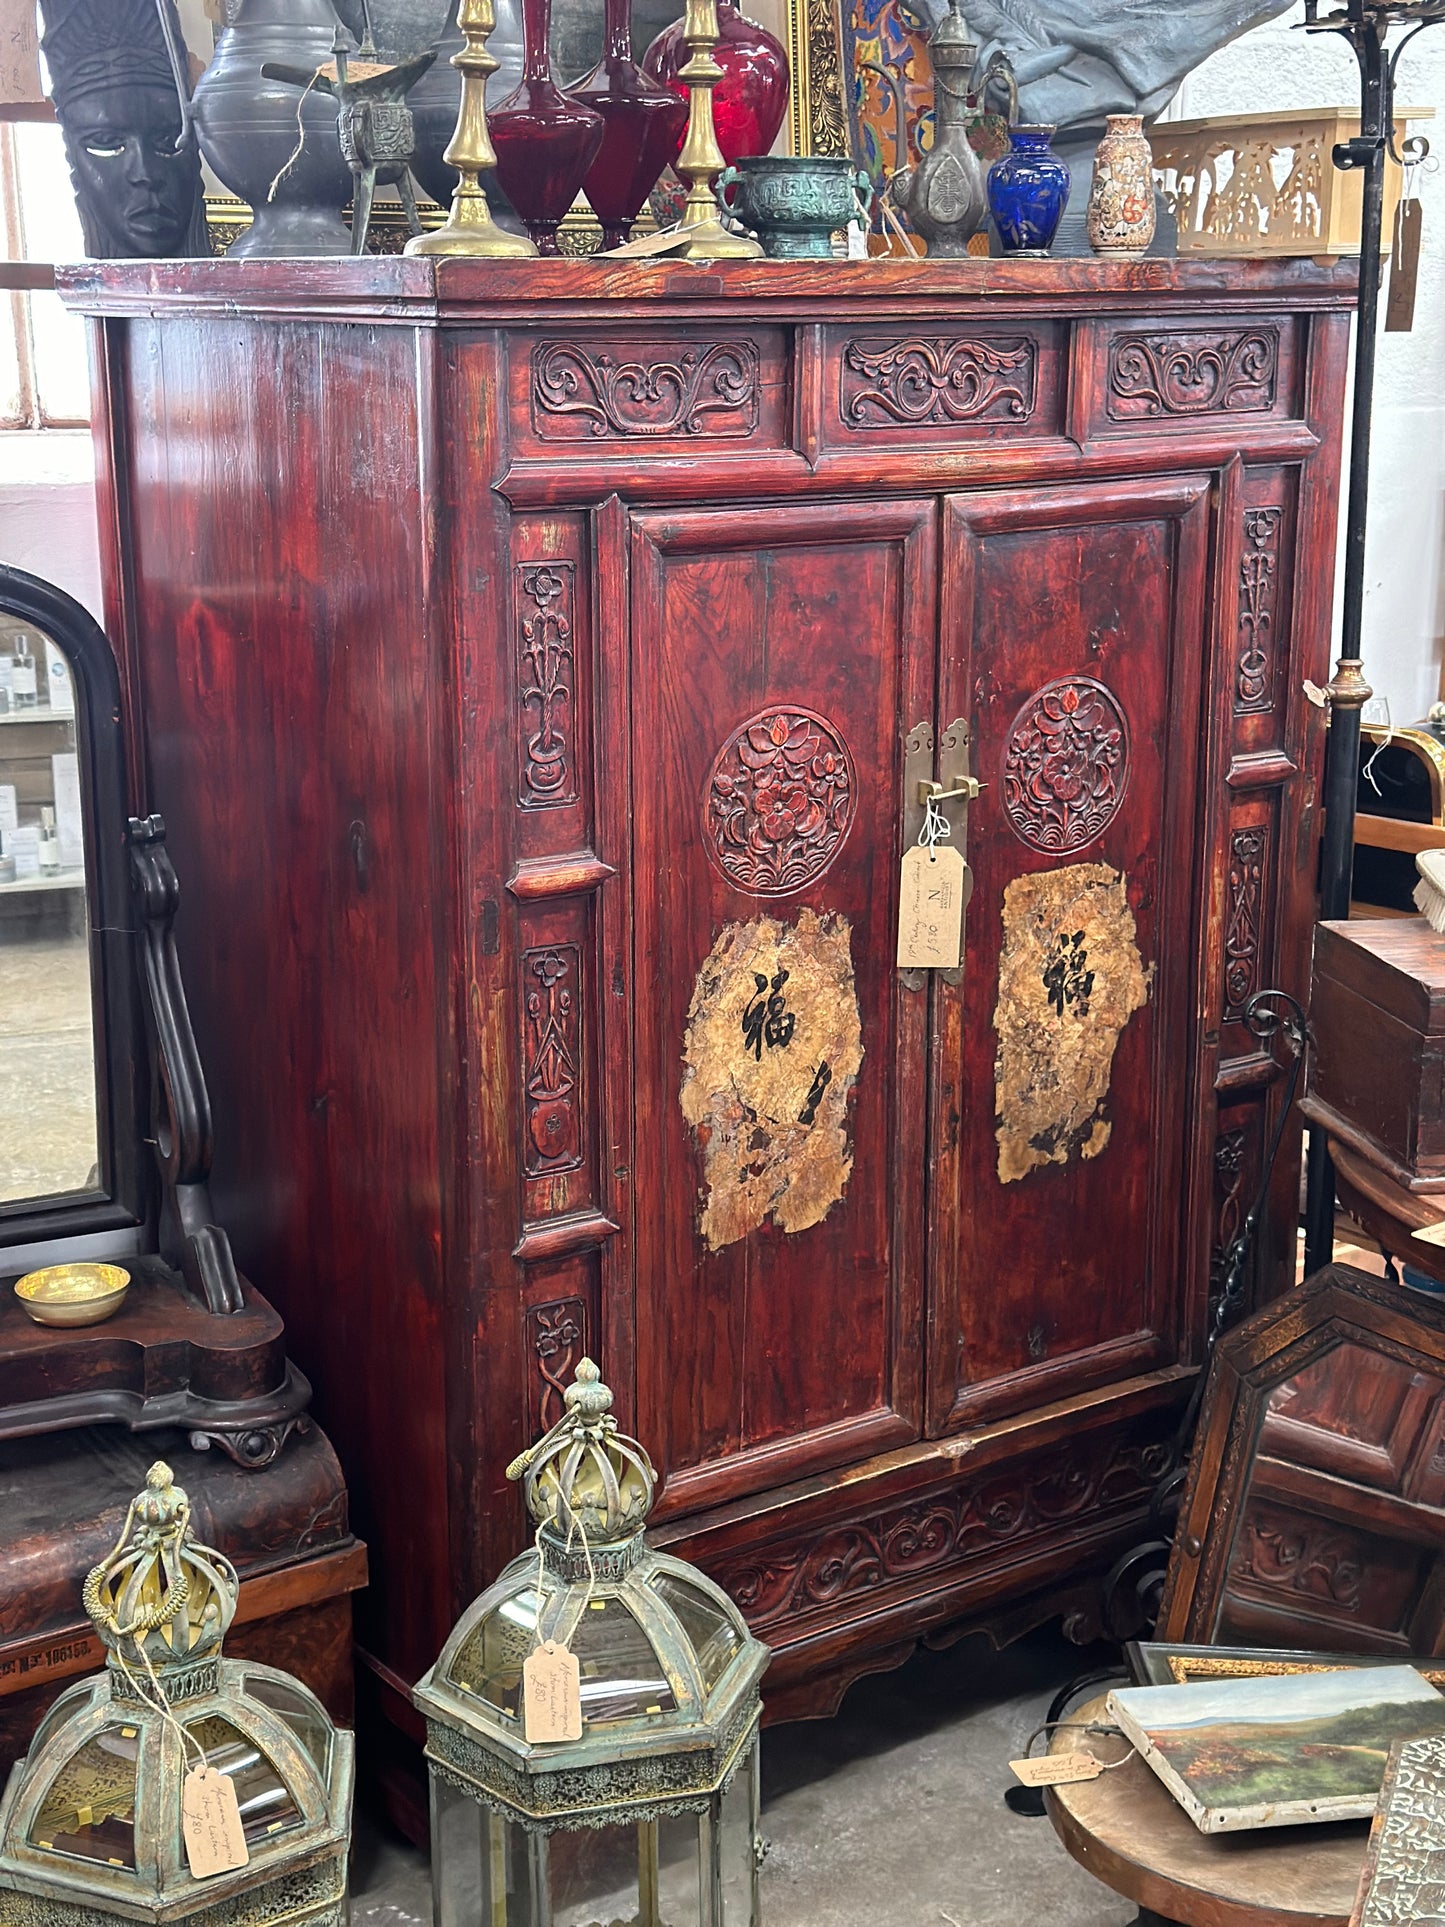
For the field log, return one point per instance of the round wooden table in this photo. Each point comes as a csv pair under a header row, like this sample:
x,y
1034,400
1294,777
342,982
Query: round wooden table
x,y
1127,1830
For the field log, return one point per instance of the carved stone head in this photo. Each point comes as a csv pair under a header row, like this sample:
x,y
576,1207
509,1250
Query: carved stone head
x,y
133,158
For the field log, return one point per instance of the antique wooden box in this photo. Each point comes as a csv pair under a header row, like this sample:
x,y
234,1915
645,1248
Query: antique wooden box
x,y
1377,1073
538,665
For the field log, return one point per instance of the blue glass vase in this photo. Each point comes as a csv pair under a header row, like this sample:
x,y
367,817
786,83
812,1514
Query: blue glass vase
x,y
1027,192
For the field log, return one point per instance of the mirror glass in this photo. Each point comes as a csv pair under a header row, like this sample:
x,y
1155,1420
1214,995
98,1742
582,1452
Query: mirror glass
x,y
1340,1525
49,1138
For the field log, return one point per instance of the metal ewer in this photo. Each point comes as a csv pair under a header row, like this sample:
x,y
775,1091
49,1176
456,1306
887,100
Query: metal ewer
x,y
1366,24
90,1825
649,1817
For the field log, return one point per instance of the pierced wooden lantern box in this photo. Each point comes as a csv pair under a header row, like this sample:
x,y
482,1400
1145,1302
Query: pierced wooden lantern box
x,y
1377,1075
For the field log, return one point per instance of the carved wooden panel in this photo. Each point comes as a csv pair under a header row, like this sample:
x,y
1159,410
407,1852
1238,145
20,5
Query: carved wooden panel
x,y
1066,765
1258,594
780,801
972,1520
1158,376
557,1339
613,392
552,1058
931,379
1244,917
546,597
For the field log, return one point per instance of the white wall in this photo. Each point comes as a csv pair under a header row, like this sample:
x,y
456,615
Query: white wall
x,y
1277,66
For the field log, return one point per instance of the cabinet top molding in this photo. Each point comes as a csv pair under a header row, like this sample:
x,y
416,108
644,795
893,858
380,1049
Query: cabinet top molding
x,y
413,292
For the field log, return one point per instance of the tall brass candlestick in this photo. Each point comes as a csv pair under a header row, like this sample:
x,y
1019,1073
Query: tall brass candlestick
x,y
470,228
701,160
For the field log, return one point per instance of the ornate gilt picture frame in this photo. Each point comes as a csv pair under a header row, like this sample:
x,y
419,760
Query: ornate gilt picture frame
x,y
815,43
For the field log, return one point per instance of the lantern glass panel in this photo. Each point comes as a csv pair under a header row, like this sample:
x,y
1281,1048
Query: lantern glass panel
x,y
715,1639
738,1830
68,1703
622,1677
90,1809
265,1801
490,1661
306,1718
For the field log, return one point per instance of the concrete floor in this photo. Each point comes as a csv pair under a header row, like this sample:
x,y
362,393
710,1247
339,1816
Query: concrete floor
x,y
890,1815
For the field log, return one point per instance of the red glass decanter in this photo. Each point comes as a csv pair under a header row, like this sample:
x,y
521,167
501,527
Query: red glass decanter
x,y
752,96
545,141
645,124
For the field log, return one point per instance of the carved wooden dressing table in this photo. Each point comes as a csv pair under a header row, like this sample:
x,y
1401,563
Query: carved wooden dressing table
x,y
540,664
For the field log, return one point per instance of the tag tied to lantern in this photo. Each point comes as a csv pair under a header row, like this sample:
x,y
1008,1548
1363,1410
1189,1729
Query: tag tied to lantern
x,y
551,1694
1057,1769
211,1823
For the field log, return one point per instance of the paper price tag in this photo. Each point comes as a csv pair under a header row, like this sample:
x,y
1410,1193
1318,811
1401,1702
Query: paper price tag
x,y
551,1694
1057,1769
937,885
211,1823
1405,271
1430,1234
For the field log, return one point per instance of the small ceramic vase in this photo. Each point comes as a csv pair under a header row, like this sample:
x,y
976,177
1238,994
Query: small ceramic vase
x,y
248,128
795,204
1028,191
644,128
750,100
1120,220
545,142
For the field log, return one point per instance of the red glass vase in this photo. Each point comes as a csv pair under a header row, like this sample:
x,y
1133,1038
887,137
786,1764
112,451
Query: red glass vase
x,y
545,141
645,124
752,96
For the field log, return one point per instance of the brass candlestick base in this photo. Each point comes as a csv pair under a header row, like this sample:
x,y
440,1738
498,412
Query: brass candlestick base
x,y
701,160
470,229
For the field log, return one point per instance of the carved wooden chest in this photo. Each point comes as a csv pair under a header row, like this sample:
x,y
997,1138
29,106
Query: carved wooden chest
x,y
1377,1075
537,666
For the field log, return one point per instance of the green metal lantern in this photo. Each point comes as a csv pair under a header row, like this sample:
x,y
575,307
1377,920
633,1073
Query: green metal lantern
x,y
649,1818
91,1823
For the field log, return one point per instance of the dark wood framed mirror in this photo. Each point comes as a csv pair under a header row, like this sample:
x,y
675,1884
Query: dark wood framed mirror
x,y
1314,1516
72,1157
105,1121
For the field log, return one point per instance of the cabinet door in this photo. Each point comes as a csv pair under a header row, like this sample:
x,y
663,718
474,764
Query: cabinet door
x,y
779,658
1074,645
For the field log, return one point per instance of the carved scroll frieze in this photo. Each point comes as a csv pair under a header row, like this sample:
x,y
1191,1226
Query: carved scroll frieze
x,y
1066,766
779,802
557,1339
1282,1552
1243,923
921,380
1258,593
1193,374
704,391
965,1523
551,1057
546,594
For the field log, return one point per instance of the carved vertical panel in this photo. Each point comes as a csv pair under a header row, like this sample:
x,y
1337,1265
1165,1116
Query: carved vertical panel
x,y
557,1339
1230,1204
552,1058
1244,918
546,596
1258,594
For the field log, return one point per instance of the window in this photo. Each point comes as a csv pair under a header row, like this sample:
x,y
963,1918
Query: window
x,y
43,375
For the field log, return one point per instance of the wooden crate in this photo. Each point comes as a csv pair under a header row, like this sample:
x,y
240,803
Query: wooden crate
x,y
1266,184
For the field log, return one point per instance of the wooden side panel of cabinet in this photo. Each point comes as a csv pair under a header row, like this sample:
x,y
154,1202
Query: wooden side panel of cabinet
x,y
779,658
1074,646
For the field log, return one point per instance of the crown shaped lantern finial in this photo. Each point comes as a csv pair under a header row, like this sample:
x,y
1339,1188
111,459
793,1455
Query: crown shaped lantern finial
x,y
160,1592
584,1476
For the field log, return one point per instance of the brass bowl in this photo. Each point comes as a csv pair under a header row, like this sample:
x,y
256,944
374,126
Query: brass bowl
x,y
73,1294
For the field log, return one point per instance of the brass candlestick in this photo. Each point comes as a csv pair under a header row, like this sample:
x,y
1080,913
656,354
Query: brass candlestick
x,y
470,229
701,160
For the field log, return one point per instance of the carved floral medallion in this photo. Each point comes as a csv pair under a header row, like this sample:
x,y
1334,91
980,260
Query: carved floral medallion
x,y
779,802
1066,766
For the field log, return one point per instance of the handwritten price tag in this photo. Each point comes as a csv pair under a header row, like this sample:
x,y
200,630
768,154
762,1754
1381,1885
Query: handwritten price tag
x,y
937,885
1057,1769
551,1694
211,1823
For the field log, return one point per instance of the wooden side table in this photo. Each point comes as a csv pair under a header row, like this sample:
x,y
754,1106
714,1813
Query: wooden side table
x,y
1128,1831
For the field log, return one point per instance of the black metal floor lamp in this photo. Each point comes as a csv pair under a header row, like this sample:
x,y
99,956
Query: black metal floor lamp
x,y
1367,25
